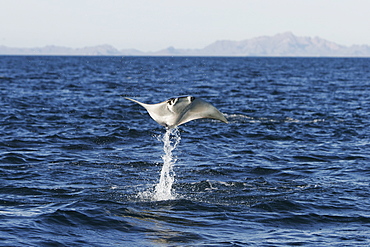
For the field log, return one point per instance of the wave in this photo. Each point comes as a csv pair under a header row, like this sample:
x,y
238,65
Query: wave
x,y
242,118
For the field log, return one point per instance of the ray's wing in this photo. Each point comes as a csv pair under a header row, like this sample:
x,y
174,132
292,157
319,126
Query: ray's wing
x,y
200,109
158,112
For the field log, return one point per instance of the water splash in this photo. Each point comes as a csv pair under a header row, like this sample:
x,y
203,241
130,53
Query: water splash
x,y
163,190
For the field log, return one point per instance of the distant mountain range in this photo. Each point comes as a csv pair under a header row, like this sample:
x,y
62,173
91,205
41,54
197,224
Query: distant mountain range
x,y
279,45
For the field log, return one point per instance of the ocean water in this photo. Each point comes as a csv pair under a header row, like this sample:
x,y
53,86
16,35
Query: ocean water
x,y
81,166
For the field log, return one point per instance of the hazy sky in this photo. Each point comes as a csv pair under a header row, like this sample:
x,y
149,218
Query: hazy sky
x,y
151,25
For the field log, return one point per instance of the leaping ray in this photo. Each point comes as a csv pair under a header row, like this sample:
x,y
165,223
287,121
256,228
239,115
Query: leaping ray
x,y
176,111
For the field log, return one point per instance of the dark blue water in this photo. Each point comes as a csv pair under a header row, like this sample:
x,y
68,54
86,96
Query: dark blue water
x,y
292,167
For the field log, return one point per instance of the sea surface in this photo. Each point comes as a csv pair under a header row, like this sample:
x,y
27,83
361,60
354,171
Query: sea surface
x,y
79,164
